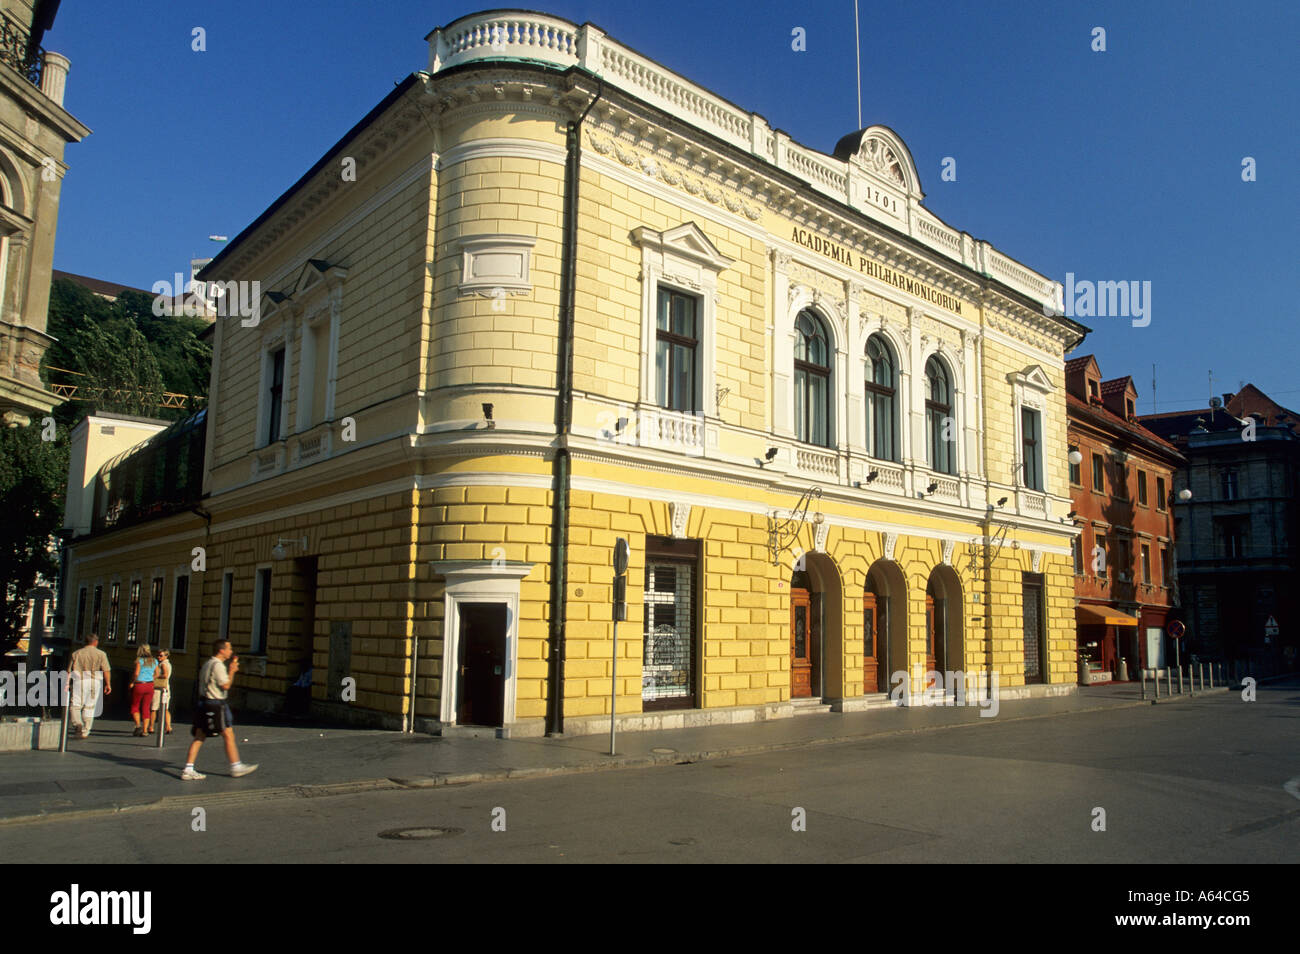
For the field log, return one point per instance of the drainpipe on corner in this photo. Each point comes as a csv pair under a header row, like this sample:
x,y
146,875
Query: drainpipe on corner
x,y
563,420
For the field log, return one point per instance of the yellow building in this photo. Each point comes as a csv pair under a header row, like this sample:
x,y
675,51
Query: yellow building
x,y
549,294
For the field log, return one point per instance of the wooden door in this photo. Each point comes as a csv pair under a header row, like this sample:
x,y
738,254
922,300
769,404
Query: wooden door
x,y
870,662
802,639
929,638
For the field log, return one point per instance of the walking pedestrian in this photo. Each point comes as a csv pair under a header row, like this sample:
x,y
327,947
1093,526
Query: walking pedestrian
x,y
161,693
213,716
142,686
84,670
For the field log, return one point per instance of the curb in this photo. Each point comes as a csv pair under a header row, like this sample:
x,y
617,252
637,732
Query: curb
x,y
442,780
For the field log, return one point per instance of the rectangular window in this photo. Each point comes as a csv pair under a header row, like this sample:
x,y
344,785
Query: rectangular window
x,y
180,612
114,601
1032,440
1146,564
1092,388
671,624
1076,475
1035,627
1142,487
227,591
1121,481
81,613
155,612
275,398
1124,558
1234,539
1100,557
1230,484
1166,565
133,614
97,605
1098,474
262,610
1162,499
676,346
1076,550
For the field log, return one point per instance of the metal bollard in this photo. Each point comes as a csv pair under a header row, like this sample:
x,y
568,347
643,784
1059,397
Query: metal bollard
x,y
1211,675
162,715
67,712
1155,675
1144,685
1169,682
1180,680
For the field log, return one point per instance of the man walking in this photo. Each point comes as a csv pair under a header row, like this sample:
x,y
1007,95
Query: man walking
x,y
213,716
84,669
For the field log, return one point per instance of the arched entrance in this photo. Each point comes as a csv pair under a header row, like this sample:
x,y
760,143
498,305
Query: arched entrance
x,y
944,635
884,631
816,660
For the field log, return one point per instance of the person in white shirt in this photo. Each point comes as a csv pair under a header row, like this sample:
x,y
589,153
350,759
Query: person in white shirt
x,y
212,716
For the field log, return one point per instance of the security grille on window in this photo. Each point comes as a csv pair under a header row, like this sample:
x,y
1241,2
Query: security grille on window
x,y
155,611
668,662
676,346
1035,626
938,417
114,602
812,381
1031,433
882,400
94,613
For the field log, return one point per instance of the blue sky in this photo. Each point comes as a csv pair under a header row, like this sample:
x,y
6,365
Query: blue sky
x,y
1122,165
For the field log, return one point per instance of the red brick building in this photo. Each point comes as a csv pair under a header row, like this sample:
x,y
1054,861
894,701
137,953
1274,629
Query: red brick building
x,y
1123,493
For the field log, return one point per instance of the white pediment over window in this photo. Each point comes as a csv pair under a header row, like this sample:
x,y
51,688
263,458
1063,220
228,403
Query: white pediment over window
x,y
684,241
317,272
1033,378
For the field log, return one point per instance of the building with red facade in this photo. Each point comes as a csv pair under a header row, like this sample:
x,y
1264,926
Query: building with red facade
x,y
1122,487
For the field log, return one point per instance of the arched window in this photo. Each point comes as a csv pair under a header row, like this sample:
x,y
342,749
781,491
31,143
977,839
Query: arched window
x,y
812,381
882,400
940,428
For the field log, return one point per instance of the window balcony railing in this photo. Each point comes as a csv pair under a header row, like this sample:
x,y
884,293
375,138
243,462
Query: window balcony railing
x,y
819,464
671,431
17,52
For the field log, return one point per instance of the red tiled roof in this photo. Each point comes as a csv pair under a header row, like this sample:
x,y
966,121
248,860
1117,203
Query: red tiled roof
x,y
1116,384
1113,420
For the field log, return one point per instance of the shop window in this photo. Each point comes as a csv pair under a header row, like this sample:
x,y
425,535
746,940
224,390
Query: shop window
x,y
670,635
812,381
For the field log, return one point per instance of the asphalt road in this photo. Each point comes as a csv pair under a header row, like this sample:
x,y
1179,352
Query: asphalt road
x,y
1214,779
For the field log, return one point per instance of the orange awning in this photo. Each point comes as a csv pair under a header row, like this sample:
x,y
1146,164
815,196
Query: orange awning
x,y
1104,616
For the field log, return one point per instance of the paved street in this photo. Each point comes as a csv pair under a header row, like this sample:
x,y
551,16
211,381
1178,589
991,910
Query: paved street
x,y
1195,781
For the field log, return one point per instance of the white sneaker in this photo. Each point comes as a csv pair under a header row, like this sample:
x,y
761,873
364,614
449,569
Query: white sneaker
x,y
189,775
243,768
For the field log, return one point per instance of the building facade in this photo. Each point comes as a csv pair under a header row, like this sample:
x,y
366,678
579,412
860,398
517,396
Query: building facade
x,y
549,294
1123,493
1237,535
34,129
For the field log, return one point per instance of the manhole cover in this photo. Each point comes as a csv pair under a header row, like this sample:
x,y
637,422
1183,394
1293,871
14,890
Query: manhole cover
x,y
419,834
664,751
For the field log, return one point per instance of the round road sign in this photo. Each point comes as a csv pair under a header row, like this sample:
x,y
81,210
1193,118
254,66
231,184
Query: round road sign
x,y
1176,629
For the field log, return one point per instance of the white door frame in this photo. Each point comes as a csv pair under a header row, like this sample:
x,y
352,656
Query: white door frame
x,y
478,581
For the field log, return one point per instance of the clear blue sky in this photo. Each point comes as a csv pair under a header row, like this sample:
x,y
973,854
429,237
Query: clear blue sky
x,y
1122,165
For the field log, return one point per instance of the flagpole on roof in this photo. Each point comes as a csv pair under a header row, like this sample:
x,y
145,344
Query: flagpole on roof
x,y
857,52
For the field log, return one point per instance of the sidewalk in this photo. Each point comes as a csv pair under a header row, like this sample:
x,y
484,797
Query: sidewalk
x,y
114,771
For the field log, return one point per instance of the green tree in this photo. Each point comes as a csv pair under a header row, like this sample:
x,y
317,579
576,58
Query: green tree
x,y
120,372
33,474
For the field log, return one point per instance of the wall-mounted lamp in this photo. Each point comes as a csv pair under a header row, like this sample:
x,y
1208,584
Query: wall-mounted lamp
x,y
1075,457
487,416
818,518
279,552
1185,494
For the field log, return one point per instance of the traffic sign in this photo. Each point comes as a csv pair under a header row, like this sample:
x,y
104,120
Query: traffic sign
x,y
1176,629
1270,628
620,556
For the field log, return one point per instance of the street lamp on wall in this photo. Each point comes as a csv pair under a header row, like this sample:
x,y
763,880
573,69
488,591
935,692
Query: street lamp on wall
x,y
279,552
1075,457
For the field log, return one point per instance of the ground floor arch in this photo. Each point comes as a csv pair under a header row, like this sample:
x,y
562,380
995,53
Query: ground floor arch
x,y
884,604
816,628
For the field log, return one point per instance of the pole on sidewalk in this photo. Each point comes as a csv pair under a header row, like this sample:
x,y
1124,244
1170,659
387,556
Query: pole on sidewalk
x,y
1169,682
1180,679
1144,685
162,714
1156,675
67,711
620,612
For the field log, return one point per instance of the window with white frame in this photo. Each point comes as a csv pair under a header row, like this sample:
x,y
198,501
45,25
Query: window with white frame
x,y
882,400
1031,441
940,426
812,381
1032,387
679,291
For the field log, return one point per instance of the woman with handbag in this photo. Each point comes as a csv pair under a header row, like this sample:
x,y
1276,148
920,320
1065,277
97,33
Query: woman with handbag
x,y
142,686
